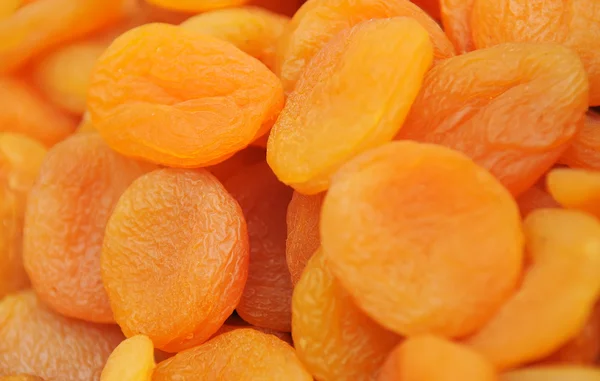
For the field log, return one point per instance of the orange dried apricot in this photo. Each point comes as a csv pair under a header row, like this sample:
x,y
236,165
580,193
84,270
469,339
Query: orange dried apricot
x,y
334,339
318,21
427,358
405,226
253,30
132,360
456,19
241,355
25,112
584,151
8,7
214,98
21,377
326,122
237,163
576,189
20,161
79,184
197,6
553,373
36,341
303,239
175,257
563,250
512,108
574,24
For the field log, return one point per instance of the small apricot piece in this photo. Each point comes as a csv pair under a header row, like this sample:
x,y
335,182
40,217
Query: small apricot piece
x,y
197,6
303,239
179,98
576,189
20,161
253,30
241,355
326,122
334,339
405,226
456,19
512,108
25,112
63,75
132,360
428,358
584,151
561,287
175,257
79,184
536,197
574,24
553,373
237,163
36,341
43,24
318,21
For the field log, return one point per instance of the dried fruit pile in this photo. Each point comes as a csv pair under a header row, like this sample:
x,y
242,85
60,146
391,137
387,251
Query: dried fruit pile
x,y
292,190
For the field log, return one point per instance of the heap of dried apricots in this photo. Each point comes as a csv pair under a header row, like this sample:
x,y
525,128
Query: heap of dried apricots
x,y
322,190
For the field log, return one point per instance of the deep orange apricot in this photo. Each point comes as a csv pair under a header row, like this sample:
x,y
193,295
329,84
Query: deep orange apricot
x,y
553,373
576,189
584,151
197,6
456,19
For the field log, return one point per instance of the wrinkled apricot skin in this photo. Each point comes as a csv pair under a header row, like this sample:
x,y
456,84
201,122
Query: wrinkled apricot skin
x,y
303,216
576,189
553,373
334,339
25,112
242,355
427,358
36,341
403,227
132,360
79,184
574,24
564,256
317,21
584,151
197,5
168,222
456,19
20,161
43,24
512,108
21,377
325,122
160,75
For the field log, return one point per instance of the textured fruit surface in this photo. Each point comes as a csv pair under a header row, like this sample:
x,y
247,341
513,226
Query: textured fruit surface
x,y
513,108
326,122
132,360
215,98
563,250
556,373
427,358
456,19
253,30
404,226
576,189
267,298
430,6
574,24
318,21
536,197
20,161
175,257
79,184
36,341
237,163
241,355
21,377
584,151
197,5
303,239
43,24
334,339
24,111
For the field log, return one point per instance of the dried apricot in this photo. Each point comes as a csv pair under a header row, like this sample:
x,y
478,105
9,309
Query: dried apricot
x,y
132,360
334,339
512,108
323,124
253,30
197,6
456,18
564,255
175,257
241,355
37,341
303,239
21,377
576,189
427,358
404,226
215,98
20,161
24,111
584,151
574,24
318,21
553,373
267,298
79,184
